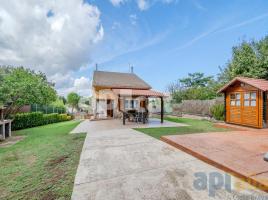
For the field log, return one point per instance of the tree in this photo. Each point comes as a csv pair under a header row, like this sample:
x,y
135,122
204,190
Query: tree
x,y
73,100
195,86
63,99
20,86
196,79
249,59
59,104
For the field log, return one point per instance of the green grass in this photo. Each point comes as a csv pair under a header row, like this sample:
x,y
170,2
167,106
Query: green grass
x,y
43,165
195,126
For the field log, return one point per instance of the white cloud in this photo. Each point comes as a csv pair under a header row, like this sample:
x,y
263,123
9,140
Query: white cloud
x,y
54,36
117,2
67,84
218,29
82,83
133,19
142,4
116,25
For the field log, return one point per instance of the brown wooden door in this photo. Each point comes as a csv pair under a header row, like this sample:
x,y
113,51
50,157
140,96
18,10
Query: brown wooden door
x,y
243,108
250,108
110,110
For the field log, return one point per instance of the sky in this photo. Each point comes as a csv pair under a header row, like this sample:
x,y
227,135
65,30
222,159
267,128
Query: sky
x,y
163,40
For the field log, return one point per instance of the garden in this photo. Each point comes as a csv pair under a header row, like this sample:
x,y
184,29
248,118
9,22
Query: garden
x,y
43,165
39,161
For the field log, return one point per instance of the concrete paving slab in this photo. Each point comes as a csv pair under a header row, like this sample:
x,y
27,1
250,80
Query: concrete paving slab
x,y
116,138
125,164
110,162
112,124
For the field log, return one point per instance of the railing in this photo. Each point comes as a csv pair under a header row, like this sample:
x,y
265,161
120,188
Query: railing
x,y
47,109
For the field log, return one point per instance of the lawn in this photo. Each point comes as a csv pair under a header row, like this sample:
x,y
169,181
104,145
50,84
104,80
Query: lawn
x,y
194,126
43,165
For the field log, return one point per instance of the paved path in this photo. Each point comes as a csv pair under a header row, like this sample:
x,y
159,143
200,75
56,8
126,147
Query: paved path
x,y
118,163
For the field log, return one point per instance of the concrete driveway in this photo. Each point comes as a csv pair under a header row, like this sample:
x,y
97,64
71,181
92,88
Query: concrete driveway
x,y
118,162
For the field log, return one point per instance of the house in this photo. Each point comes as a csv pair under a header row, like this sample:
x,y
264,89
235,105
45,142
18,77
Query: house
x,y
115,93
246,102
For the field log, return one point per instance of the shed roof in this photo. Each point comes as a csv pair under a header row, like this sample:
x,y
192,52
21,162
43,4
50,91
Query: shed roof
x,y
131,92
119,80
261,84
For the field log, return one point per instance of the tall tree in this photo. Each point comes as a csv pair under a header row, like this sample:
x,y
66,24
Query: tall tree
x,y
249,59
73,100
196,79
20,86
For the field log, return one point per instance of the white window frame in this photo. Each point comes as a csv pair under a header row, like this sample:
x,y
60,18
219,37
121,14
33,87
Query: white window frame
x,y
131,106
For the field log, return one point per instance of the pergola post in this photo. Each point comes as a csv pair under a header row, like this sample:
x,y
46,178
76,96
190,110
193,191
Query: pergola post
x,y
124,114
162,110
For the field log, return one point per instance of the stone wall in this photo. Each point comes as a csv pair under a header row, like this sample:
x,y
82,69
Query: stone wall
x,y
196,107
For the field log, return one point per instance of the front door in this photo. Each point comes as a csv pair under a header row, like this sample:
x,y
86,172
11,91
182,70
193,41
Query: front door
x,y
243,108
110,108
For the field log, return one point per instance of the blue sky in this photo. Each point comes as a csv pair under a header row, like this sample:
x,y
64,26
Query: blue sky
x,y
163,39
167,41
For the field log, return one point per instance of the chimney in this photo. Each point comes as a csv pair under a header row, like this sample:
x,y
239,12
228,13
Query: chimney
x,y
96,67
132,69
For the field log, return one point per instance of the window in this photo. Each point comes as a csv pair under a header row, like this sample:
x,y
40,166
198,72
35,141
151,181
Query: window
x,y
250,99
253,96
235,99
126,103
131,104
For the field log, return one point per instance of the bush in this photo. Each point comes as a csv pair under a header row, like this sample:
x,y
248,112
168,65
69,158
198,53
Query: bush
x,y
217,111
28,120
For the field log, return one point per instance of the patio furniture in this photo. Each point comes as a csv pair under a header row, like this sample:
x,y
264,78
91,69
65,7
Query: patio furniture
x,y
141,117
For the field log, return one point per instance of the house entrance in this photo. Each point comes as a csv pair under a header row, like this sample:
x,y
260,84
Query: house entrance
x,y
110,108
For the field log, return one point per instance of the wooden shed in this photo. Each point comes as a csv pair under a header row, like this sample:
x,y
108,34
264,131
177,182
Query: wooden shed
x,y
246,102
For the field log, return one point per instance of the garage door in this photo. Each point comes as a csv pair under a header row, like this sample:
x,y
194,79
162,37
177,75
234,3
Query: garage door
x,y
244,108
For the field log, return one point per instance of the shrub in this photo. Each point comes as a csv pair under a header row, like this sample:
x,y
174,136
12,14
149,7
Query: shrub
x,y
217,111
28,120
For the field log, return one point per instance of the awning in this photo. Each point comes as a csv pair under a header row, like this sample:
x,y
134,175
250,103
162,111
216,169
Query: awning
x,y
146,93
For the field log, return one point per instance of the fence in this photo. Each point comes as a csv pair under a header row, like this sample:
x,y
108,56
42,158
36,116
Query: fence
x,y
47,109
196,107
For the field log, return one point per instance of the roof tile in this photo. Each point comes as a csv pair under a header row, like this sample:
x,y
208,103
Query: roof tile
x,y
261,84
119,80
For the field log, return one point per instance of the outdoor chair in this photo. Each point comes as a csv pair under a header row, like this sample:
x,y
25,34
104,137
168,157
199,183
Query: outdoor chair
x,y
138,117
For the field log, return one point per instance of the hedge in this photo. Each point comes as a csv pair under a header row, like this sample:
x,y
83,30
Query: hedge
x,y
33,119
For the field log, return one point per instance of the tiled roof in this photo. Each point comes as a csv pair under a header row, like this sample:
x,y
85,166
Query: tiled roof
x,y
119,80
146,93
261,84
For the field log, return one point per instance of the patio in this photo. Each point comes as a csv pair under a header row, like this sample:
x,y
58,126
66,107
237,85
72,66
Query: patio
x,y
111,124
237,152
118,162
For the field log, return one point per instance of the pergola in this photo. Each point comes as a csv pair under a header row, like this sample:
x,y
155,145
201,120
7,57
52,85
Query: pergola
x,y
134,93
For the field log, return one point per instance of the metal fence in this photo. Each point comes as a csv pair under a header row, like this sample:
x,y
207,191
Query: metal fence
x,y
47,109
